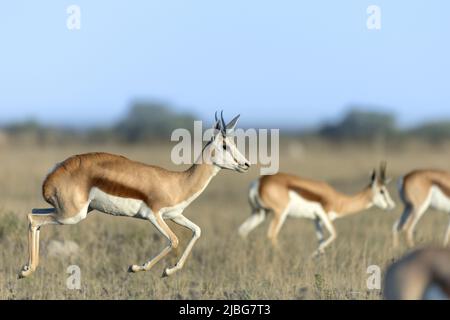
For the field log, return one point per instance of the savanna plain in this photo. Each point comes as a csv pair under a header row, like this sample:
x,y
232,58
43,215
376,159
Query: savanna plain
x,y
222,265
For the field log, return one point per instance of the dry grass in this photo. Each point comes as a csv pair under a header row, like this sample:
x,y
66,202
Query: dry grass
x,y
222,266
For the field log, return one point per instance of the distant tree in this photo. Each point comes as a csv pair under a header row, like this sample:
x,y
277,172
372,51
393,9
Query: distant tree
x,y
27,126
148,120
360,125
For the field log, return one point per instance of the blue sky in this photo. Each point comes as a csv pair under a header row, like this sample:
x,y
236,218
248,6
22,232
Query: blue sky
x,y
291,63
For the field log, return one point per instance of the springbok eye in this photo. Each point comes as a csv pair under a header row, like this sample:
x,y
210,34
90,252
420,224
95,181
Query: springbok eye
x,y
382,191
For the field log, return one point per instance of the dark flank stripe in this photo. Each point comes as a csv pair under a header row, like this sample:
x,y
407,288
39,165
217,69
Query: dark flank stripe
x,y
116,189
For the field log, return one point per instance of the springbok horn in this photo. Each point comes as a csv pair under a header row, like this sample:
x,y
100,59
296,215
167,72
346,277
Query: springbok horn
x,y
232,124
373,175
224,127
217,122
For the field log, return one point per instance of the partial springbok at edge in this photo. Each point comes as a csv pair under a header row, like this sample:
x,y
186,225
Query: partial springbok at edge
x,y
115,185
286,195
421,275
419,190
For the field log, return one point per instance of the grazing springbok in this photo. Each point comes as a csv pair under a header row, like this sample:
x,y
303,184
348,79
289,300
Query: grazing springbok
x,y
421,275
419,190
287,195
116,185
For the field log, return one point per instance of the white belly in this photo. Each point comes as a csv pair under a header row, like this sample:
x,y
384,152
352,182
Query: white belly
x,y
120,206
439,200
117,206
299,207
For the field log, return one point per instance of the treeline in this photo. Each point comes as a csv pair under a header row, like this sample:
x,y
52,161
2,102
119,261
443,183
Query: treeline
x,y
143,122
149,121
365,126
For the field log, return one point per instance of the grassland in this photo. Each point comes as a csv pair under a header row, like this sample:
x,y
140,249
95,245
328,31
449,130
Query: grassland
x,y
222,266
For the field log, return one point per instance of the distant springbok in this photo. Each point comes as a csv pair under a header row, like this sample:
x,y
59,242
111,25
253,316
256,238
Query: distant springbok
x,y
286,195
421,275
419,190
115,185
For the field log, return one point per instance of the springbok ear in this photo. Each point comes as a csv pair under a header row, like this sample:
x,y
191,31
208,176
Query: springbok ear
x,y
373,176
216,125
232,124
383,166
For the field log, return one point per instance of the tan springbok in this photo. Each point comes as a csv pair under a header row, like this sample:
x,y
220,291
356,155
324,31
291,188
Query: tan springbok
x,y
420,190
286,195
115,185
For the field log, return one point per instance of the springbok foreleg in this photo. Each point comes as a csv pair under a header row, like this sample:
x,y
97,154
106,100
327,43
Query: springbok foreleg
x,y
196,233
276,224
164,229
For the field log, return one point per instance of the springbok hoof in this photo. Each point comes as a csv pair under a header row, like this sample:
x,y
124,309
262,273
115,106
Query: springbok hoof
x,y
25,272
134,268
167,272
317,254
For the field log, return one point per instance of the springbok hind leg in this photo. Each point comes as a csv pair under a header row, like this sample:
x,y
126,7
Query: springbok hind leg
x,y
37,219
400,224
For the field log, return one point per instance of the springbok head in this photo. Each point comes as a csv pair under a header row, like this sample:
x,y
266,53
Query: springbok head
x,y
380,194
222,150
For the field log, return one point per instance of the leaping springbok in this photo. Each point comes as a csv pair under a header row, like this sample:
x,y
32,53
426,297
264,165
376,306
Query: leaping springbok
x,y
419,190
287,195
421,275
116,185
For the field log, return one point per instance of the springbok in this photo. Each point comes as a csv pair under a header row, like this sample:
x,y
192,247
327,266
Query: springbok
x,y
287,195
419,190
421,275
118,186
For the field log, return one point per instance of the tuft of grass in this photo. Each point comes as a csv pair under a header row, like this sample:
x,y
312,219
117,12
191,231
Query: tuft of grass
x,y
11,225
